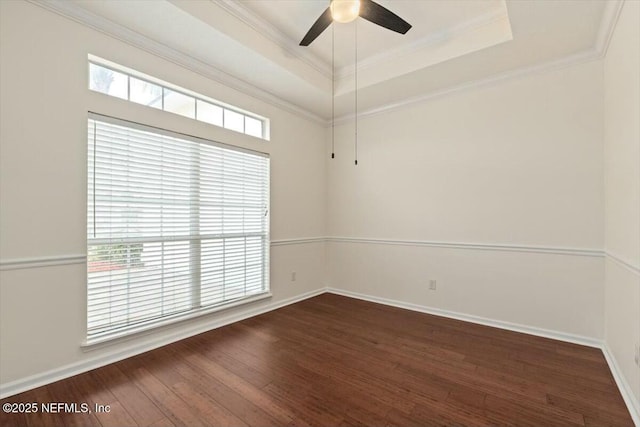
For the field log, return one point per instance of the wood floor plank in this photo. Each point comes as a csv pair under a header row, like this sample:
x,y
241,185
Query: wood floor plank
x,y
244,388
65,391
397,418
8,418
526,413
287,373
243,408
304,406
117,416
171,405
615,412
90,389
102,402
19,418
208,410
43,395
138,405
164,422
439,414
332,360
225,356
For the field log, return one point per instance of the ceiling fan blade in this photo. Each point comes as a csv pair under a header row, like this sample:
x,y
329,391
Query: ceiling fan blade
x,y
373,12
317,28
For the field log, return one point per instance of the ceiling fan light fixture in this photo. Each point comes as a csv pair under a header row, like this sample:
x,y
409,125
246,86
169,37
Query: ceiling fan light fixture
x,y
344,10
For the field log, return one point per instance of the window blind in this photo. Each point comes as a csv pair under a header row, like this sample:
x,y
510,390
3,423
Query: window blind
x,y
175,225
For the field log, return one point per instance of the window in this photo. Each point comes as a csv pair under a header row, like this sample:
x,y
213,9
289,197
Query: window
x,y
209,113
136,87
176,226
233,121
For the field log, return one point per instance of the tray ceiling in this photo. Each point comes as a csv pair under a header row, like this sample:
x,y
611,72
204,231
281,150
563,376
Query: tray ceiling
x,y
452,42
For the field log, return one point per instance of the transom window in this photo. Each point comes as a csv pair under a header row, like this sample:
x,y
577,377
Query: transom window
x,y
141,89
177,226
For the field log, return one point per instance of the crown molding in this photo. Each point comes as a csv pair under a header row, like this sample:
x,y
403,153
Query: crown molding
x,y
271,32
72,11
265,28
459,30
82,16
608,23
558,64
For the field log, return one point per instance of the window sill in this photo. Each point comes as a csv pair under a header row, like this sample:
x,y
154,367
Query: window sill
x,y
128,333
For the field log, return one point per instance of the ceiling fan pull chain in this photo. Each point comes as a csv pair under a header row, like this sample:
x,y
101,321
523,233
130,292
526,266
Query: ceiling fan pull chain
x,y
356,91
333,92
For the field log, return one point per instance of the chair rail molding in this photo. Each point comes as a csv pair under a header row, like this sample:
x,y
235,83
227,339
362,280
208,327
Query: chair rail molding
x,y
502,247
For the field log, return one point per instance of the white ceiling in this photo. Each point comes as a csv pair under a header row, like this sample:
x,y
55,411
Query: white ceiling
x,y
452,43
430,20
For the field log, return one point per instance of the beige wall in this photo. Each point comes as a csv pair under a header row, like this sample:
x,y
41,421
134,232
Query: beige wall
x,y
622,194
517,164
44,104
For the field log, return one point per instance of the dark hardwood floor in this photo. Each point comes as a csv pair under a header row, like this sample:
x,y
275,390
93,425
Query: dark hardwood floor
x,y
336,361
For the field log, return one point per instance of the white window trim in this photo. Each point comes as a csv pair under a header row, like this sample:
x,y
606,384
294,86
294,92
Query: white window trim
x,y
174,134
137,330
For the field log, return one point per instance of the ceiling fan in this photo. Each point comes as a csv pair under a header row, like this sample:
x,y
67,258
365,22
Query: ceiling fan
x,y
347,10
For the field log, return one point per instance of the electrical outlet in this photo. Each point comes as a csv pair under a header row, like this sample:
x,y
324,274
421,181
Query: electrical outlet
x,y
432,285
293,276
636,357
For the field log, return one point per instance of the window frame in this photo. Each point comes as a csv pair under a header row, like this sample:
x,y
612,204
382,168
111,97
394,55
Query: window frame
x,y
159,322
166,86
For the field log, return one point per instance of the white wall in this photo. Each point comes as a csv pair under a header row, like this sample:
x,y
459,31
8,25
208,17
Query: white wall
x,y
43,111
622,195
518,163
495,192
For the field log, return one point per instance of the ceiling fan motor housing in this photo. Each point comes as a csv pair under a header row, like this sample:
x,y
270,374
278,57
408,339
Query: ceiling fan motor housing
x,y
348,10
344,10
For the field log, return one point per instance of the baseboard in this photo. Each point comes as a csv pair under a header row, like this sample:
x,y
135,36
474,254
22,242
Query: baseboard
x,y
48,377
625,389
531,330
